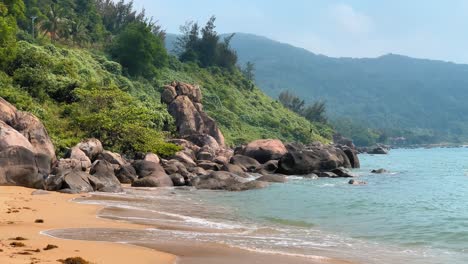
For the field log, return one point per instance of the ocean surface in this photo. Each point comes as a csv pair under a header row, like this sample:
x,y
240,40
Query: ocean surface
x,y
416,213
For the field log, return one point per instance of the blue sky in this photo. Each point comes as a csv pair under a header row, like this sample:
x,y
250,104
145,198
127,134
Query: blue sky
x,y
435,29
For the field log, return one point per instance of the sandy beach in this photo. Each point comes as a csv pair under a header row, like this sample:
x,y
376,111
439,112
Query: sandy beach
x,y
22,207
19,211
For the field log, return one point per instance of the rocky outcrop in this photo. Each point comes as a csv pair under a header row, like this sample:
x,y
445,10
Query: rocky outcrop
x,y
91,147
302,160
104,172
221,180
264,150
26,150
151,174
247,164
185,106
18,167
379,150
76,153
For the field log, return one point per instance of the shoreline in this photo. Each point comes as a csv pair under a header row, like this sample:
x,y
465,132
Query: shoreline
x,y
54,209
85,216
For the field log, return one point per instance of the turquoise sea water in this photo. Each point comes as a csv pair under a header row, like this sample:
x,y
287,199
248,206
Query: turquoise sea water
x,y
420,207
417,213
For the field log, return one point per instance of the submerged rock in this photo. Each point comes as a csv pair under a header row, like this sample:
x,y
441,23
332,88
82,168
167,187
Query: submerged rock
x,y
379,171
356,182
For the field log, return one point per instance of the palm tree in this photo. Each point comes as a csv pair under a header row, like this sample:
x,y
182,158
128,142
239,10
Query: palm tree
x,y
56,23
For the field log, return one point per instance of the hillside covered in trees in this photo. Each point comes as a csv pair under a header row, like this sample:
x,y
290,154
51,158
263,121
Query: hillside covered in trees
x,y
396,96
96,68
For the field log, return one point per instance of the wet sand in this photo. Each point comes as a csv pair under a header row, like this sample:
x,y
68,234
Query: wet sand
x,y
61,214
205,253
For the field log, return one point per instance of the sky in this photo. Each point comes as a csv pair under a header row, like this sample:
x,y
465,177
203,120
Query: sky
x,y
433,29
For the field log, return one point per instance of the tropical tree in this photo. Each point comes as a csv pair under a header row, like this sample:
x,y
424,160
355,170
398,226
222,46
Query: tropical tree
x,y
139,50
10,12
249,71
56,23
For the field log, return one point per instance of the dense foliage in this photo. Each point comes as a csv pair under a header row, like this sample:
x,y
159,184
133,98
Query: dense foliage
x,y
204,46
57,62
315,112
396,96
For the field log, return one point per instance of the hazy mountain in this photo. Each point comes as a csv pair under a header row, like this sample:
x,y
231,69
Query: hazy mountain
x,y
393,92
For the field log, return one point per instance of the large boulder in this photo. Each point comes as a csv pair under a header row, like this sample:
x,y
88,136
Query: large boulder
x,y
192,91
184,158
177,179
236,169
104,172
188,113
24,130
18,167
273,178
77,154
247,164
264,150
32,129
7,112
168,94
379,150
154,170
91,147
207,142
69,164
152,157
112,158
221,180
302,160
11,137
71,181
126,174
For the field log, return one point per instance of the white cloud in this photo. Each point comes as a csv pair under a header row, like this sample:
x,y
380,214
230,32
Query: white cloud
x,y
350,20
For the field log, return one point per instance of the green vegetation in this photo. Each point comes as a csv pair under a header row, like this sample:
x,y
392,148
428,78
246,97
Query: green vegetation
x,y
315,112
205,50
243,111
94,68
392,96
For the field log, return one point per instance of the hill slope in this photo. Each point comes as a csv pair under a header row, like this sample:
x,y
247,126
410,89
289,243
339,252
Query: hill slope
x,y
81,94
394,93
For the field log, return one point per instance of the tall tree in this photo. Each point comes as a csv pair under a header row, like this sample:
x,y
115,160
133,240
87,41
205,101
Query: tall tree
x,y
249,71
10,12
139,50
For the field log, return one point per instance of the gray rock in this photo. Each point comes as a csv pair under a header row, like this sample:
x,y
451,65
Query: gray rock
x,y
209,165
104,172
177,179
327,174
221,180
91,147
356,182
273,178
379,171
126,174
246,163
18,167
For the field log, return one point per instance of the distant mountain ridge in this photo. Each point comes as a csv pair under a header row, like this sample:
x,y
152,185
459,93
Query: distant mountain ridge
x,y
391,92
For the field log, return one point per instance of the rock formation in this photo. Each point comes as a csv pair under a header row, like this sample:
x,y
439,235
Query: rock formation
x,y
26,151
184,104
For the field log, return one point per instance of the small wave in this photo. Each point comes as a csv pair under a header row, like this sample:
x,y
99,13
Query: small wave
x,y
282,221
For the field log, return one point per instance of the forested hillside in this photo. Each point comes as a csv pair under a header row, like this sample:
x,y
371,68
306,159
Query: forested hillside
x,y
95,68
422,100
